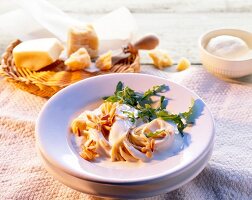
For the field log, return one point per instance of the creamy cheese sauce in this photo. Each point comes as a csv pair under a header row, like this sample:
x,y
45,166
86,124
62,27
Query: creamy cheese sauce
x,y
179,144
168,147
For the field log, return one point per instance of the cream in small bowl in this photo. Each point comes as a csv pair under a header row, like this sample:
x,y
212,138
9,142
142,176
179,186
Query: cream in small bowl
x,y
227,52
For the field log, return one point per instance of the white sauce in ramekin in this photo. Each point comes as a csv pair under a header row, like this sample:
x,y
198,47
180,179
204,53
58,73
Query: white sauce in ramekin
x,y
229,47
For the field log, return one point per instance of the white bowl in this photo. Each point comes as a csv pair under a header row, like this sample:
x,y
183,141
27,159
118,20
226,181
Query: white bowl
x,y
56,144
222,66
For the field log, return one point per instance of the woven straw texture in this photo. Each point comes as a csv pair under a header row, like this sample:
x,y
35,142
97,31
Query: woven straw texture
x,y
227,176
53,77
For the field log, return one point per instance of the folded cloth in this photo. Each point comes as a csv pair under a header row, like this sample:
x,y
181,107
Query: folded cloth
x,y
227,176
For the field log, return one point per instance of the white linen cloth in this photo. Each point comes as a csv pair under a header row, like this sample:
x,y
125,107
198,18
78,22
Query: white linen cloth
x,y
227,176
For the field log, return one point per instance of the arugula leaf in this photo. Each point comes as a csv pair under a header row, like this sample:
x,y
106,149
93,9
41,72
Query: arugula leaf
x,y
155,89
155,133
172,117
117,94
143,103
119,87
162,103
129,97
131,116
111,99
187,115
147,113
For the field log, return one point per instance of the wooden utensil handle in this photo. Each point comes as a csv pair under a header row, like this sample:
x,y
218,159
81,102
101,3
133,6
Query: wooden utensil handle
x,y
147,42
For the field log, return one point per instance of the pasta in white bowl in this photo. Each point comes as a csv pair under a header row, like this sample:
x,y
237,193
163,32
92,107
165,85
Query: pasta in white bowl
x,y
127,126
125,143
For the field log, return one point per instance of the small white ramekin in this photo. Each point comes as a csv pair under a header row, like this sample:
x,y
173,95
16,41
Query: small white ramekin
x,y
222,66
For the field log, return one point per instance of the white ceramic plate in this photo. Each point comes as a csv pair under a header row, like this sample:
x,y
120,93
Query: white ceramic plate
x,y
57,145
128,191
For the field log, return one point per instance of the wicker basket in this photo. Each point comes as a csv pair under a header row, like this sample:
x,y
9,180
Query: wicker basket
x,y
54,77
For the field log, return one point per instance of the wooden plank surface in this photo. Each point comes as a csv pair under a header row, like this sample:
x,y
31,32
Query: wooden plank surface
x,y
146,6
155,6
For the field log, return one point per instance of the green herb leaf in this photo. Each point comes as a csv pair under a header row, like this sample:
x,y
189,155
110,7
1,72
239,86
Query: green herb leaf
x,y
129,97
162,103
155,133
172,117
147,113
156,89
112,99
188,115
119,87
131,116
143,103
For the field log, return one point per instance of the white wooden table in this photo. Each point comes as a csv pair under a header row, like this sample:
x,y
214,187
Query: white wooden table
x,y
179,25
